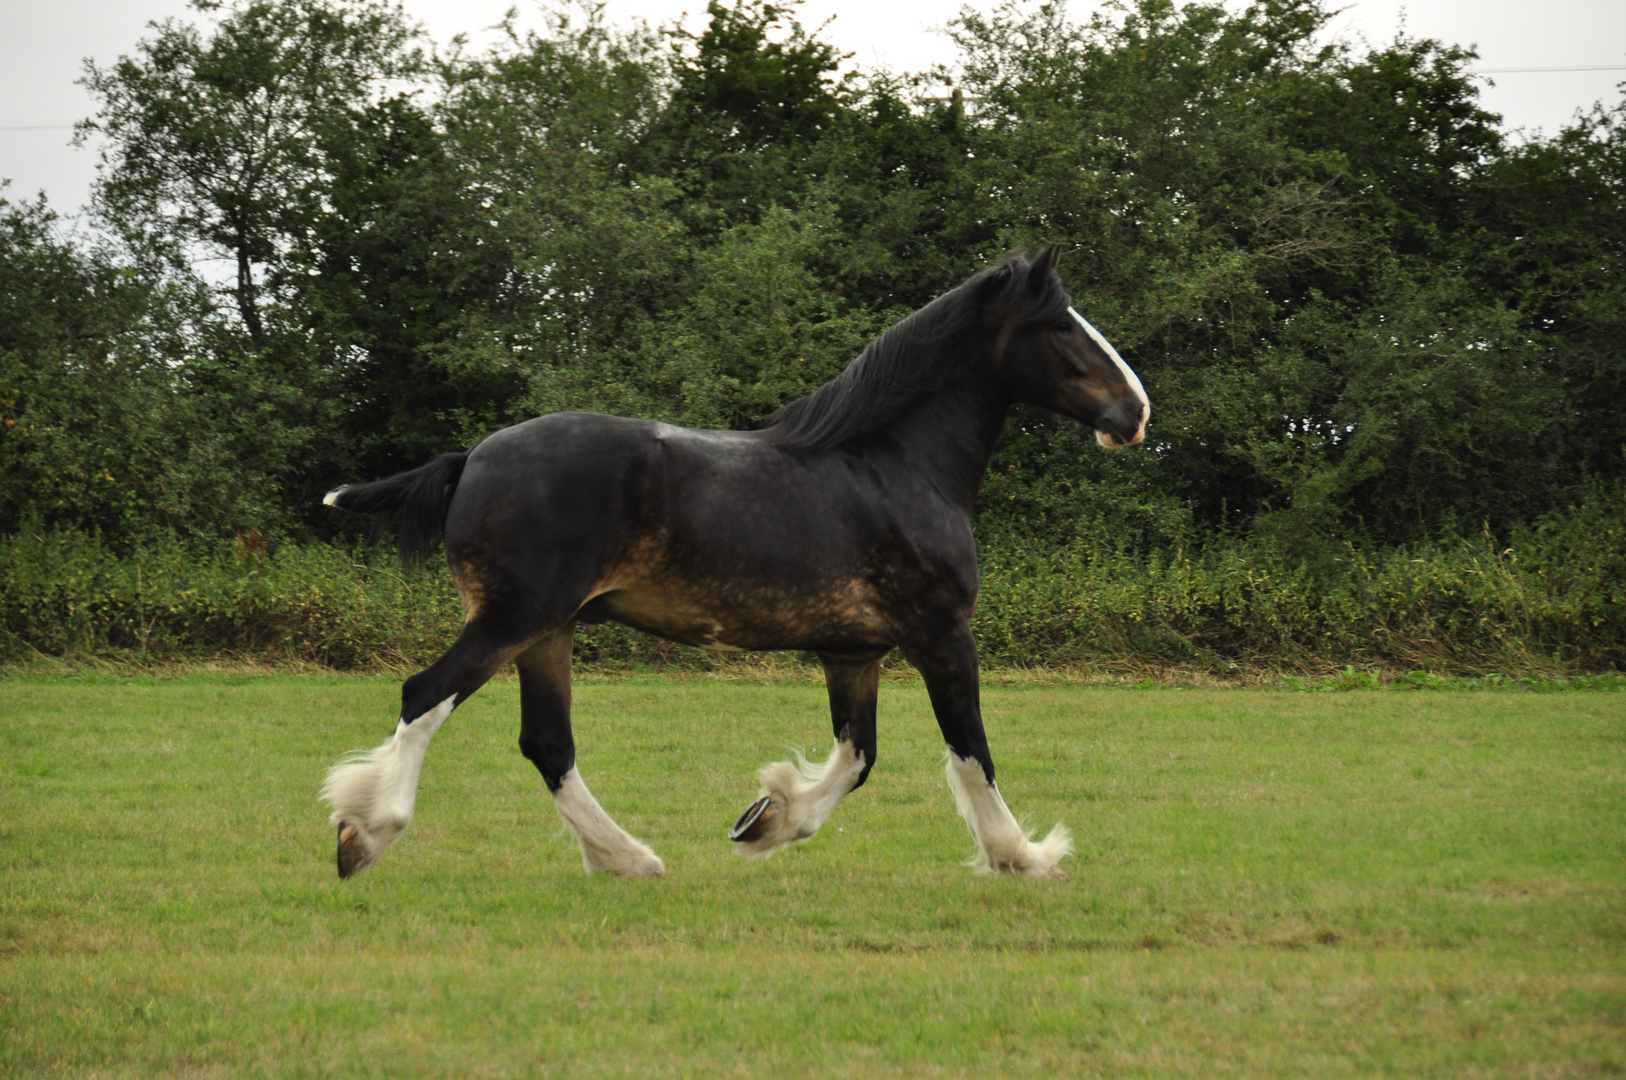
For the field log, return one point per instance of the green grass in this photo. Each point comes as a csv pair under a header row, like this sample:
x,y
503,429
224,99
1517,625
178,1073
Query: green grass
x,y
1268,883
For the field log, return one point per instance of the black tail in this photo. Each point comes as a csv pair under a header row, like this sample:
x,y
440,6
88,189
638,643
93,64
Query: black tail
x,y
420,499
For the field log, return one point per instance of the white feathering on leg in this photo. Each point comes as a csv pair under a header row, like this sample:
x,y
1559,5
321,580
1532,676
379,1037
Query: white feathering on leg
x,y
804,794
605,845
1002,844
376,790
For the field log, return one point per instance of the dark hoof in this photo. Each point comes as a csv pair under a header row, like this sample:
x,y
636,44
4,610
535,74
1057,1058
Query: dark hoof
x,y
754,822
352,852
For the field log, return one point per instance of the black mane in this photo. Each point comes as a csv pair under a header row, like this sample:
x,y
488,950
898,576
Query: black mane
x,y
915,357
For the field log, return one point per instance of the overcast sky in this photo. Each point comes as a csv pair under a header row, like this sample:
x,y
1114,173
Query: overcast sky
x,y
43,45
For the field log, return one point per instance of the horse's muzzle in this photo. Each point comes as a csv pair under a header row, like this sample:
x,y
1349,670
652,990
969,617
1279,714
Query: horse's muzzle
x,y
1112,440
1111,431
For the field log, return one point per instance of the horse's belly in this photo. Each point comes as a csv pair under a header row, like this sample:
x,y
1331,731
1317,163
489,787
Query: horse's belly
x,y
733,619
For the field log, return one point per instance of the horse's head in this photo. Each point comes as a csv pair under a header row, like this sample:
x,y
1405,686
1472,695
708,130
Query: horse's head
x,y
1050,356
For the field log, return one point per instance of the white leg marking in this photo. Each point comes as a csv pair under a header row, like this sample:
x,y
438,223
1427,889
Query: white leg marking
x,y
376,790
1002,844
802,795
605,845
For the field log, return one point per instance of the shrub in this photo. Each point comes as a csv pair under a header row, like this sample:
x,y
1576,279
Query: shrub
x,y
1551,600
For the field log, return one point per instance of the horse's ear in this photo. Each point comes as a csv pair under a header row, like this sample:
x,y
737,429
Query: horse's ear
x,y
1044,264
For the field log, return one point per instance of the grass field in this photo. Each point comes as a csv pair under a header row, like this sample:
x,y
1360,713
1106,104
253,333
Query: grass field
x,y
1267,884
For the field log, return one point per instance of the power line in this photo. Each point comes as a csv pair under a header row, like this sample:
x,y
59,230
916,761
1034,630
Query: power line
x,y
1476,71
1515,71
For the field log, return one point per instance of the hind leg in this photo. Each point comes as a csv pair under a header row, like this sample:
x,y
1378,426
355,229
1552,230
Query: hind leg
x,y
373,792
545,738
796,798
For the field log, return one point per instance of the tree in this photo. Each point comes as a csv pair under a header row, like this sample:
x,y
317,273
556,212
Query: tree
x,y
225,144
1551,245
1362,316
1240,199
751,97
112,415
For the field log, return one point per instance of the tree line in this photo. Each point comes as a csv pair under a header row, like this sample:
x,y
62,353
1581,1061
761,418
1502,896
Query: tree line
x,y
323,251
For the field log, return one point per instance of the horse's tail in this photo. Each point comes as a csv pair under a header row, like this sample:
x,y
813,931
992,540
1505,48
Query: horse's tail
x,y
418,499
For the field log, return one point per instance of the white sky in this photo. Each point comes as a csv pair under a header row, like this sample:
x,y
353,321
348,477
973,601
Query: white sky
x,y
43,44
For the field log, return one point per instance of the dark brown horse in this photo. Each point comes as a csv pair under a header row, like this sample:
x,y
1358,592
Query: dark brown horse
x,y
843,528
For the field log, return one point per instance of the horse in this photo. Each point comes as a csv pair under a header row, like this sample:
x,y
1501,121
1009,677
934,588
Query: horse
x,y
841,527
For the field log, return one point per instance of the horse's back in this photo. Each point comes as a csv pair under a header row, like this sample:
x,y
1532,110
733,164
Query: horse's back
x,y
558,473
587,482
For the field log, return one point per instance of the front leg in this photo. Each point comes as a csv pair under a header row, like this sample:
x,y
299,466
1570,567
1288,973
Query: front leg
x,y
949,665
796,798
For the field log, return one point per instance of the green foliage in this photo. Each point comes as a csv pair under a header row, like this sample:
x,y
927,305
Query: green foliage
x,y
1550,602
749,91
760,328
229,142
65,593
112,418
1553,599
1268,227
1368,322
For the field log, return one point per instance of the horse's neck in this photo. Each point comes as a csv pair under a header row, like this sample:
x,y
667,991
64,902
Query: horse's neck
x,y
950,436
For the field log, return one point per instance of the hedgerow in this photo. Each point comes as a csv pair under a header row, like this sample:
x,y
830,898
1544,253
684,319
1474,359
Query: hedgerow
x,y
1551,599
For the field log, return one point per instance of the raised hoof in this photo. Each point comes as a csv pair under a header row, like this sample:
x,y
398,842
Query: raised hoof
x,y
755,822
352,850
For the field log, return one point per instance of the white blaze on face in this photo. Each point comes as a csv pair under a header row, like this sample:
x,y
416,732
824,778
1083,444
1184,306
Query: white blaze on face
x,y
1106,347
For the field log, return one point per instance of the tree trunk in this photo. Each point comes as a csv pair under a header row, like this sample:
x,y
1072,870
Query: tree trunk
x,y
246,301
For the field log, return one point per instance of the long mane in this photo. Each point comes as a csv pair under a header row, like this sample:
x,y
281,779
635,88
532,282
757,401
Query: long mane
x,y
915,357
